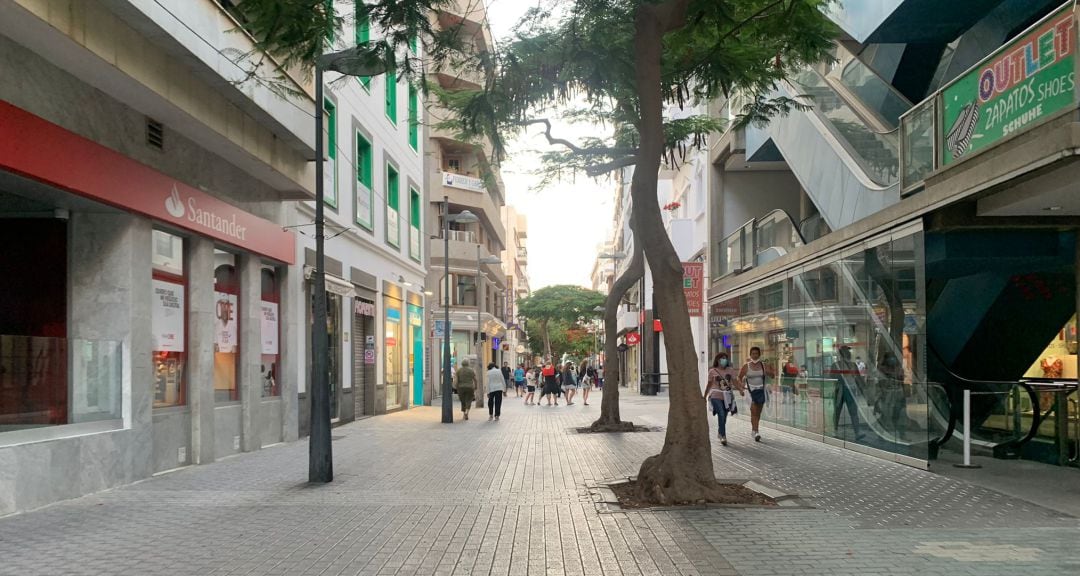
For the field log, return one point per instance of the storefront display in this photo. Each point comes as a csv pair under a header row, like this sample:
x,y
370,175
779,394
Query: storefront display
x,y
226,328
168,314
270,331
1058,359
393,341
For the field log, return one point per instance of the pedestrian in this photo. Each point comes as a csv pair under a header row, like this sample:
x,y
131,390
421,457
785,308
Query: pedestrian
x,y
507,373
848,380
465,385
586,376
600,377
551,385
720,394
496,389
752,375
530,385
519,380
569,383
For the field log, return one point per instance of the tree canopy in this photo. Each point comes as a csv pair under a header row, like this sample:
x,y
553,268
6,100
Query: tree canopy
x,y
563,304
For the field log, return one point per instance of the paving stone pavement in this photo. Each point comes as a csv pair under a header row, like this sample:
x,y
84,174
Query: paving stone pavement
x,y
413,496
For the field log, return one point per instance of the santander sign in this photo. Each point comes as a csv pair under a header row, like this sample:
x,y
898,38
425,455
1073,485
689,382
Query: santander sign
x,y
93,171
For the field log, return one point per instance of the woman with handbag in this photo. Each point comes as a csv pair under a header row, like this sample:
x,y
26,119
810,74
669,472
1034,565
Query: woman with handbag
x,y
719,393
752,376
466,385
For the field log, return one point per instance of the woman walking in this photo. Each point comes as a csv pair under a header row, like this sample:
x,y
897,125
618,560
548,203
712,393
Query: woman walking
x,y
753,375
530,385
466,384
586,377
496,389
718,392
551,385
569,382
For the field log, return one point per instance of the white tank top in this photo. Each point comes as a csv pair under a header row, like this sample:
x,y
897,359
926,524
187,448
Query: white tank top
x,y
755,378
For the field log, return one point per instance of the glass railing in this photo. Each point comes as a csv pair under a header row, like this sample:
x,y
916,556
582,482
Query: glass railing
x,y
871,90
775,234
875,152
917,145
737,250
57,381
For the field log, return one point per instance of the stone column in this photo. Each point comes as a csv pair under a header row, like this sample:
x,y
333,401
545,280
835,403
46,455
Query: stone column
x,y
290,314
200,347
250,370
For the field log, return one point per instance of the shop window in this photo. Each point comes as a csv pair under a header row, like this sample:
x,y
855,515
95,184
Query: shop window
x,y
364,188
394,331
168,320
465,295
226,328
271,332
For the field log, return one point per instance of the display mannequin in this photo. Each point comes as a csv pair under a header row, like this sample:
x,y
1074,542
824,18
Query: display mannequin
x,y
1052,367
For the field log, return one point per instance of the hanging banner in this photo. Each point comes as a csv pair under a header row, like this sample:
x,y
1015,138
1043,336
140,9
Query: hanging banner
x,y
225,337
269,328
693,277
167,317
1029,79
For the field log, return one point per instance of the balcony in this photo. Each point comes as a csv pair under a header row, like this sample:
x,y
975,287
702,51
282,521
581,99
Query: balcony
x,y
462,236
522,255
463,182
469,192
463,257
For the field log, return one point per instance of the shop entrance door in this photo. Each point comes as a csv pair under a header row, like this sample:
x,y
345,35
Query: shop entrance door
x,y
418,365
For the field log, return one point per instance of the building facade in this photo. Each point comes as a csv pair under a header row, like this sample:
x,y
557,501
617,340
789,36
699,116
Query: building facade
x,y
376,251
466,272
149,278
912,236
515,257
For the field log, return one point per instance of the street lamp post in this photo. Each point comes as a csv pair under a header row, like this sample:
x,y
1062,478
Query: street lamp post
x,y
480,261
358,61
447,390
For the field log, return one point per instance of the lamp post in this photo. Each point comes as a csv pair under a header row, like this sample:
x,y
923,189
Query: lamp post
x,y
480,261
357,61
447,390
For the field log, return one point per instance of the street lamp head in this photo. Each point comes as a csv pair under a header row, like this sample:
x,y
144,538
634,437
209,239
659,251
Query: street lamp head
x,y
363,60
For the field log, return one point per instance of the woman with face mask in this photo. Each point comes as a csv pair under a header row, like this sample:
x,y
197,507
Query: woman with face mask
x,y
753,375
719,394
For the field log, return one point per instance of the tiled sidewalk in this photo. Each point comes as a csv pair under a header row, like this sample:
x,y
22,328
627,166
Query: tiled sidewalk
x,y
413,496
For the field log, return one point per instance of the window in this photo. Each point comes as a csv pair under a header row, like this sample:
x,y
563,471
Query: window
x,y
330,165
414,224
168,320
453,164
271,352
364,215
226,327
393,223
466,291
414,119
391,95
363,33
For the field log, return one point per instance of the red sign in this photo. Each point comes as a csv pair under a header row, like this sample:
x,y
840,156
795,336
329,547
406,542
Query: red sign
x,y
693,280
33,147
657,326
633,339
391,341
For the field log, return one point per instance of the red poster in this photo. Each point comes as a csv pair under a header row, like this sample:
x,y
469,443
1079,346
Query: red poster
x,y
693,288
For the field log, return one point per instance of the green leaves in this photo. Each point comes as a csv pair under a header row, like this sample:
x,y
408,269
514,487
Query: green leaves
x,y
561,302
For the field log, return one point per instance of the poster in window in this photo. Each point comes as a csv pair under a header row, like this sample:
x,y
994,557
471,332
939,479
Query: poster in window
x,y
329,179
269,328
393,227
225,336
167,317
363,206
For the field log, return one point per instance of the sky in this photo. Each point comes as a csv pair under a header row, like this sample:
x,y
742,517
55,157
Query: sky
x,y
567,220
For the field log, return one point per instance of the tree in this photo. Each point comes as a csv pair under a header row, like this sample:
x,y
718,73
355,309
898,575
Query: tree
x,y
562,302
626,59
567,338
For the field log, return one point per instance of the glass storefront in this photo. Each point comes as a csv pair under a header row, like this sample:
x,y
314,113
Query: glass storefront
x,y
271,332
846,340
416,354
168,319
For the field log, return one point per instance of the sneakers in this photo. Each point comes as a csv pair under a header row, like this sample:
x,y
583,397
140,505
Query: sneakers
x,y
496,418
466,415
757,437
490,418
723,441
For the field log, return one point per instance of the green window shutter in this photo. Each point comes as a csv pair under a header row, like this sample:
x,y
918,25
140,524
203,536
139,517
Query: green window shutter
x,y
393,214
363,161
392,187
413,43
414,121
364,192
331,150
363,34
329,4
391,95
414,208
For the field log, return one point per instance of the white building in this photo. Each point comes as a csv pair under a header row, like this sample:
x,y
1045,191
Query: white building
x,y
515,261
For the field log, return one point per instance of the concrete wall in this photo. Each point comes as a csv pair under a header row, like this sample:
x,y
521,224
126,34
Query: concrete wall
x,y
741,196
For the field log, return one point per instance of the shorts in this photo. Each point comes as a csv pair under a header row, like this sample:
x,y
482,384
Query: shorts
x,y
530,389
757,396
519,383
569,387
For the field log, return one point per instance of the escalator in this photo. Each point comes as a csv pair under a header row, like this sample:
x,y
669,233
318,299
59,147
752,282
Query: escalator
x,y
844,150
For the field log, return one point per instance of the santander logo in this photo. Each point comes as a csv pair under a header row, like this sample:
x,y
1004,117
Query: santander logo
x,y
173,205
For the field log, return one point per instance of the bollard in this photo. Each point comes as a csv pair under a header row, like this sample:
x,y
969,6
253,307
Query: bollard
x,y
967,433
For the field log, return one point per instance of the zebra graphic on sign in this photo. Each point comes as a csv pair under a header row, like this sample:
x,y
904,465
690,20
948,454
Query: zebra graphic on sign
x,y
958,139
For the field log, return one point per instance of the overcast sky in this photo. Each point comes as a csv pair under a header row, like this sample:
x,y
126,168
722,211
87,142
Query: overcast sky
x,y
567,220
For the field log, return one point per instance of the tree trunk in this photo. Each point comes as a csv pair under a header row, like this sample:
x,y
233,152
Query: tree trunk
x,y
683,471
547,339
609,420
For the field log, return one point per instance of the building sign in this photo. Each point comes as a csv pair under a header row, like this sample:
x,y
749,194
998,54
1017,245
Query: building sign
x,y
167,317
1031,78
28,146
269,328
693,279
462,181
495,342
225,336
439,331
364,308
633,338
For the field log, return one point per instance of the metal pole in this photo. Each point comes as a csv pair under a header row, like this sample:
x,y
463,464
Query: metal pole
x,y
447,389
320,458
967,432
481,370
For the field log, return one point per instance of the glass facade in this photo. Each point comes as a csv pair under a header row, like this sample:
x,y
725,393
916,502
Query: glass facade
x,y
226,328
395,340
847,340
271,331
168,320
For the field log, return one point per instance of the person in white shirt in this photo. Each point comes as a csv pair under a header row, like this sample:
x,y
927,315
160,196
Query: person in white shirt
x,y
496,387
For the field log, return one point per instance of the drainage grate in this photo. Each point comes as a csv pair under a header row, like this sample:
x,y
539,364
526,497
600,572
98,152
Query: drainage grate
x,y
155,134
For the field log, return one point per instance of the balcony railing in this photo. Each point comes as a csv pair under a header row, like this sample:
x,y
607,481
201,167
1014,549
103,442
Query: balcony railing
x,y
961,118
759,241
462,236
